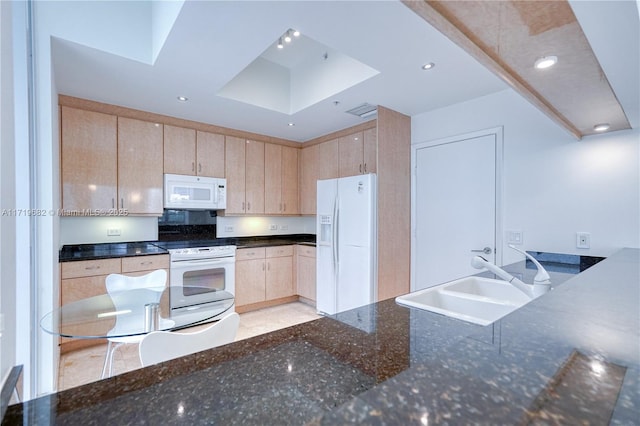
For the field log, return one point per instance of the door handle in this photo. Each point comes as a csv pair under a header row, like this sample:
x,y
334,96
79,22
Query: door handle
x,y
486,250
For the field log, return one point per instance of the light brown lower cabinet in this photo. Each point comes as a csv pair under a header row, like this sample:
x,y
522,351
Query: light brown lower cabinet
x,y
264,277
86,278
306,273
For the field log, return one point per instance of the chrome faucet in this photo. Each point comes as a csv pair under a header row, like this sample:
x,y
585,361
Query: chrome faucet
x,y
541,283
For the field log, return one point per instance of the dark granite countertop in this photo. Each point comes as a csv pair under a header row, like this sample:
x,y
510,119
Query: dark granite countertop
x,y
570,357
108,250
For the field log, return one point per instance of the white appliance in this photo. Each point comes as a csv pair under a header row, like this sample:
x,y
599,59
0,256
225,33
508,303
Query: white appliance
x,y
198,273
346,243
194,192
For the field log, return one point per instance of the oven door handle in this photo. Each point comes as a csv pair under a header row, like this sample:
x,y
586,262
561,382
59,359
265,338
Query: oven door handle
x,y
223,260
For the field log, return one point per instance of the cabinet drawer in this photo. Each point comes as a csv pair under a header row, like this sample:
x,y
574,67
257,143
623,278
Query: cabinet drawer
x,y
145,263
308,251
250,253
279,251
89,268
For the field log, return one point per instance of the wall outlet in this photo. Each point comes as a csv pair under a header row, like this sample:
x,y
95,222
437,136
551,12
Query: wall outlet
x,y
113,232
583,240
228,228
514,237
273,227
284,227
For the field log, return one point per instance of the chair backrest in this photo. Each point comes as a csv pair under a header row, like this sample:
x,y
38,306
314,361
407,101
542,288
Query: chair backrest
x,y
160,346
118,282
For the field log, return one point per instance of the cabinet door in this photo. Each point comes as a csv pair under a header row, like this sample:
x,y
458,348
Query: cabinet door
x,y
370,148
140,158
234,172
210,154
306,280
309,159
273,178
290,204
250,282
279,279
254,175
89,165
328,160
179,150
350,155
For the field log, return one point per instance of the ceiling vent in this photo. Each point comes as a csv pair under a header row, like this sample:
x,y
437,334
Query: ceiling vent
x,y
364,110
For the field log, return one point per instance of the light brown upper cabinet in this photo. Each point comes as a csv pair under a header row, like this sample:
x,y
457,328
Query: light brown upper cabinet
x,y
187,152
280,179
244,170
357,153
89,162
179,150
210,154
309,158
328,160
140,155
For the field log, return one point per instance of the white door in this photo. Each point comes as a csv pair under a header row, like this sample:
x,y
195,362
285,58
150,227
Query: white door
x,y
456,197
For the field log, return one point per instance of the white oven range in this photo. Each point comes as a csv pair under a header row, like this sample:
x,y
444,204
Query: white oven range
x,y
198,273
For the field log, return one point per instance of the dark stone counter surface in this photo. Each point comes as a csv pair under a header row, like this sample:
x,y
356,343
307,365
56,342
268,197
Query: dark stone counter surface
x,y
108,250
569,357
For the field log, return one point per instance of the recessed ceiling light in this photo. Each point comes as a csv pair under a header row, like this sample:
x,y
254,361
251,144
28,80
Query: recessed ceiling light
x,y
428,66
291,124
296,33
280,45
287,37
183,98
545,62
602,127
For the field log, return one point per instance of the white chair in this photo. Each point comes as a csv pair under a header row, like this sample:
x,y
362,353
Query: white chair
x,y
160,346
116,284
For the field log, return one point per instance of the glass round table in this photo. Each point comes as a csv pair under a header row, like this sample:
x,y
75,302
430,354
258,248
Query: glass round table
x,y
131,313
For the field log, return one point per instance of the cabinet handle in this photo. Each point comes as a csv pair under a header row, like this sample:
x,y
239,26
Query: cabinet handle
x,y
122,203
365,167
146,263
248,206
90,268
243,206
285,207
193,166
360,168
280,209
113,203
263,266
268,266
199,167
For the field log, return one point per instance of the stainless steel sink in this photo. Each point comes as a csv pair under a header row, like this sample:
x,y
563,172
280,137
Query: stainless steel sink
x,y
473,299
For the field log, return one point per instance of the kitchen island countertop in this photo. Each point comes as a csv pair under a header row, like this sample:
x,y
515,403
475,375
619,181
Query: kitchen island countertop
x,y
571,356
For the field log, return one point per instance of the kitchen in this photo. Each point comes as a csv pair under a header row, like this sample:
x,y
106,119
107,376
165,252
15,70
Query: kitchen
x,y
540,138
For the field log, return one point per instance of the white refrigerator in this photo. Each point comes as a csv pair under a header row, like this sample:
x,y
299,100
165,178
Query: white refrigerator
x,y
346,243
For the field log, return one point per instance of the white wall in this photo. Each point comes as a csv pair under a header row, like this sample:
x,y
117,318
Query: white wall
x,y
91,230
229,226
7,198
555,185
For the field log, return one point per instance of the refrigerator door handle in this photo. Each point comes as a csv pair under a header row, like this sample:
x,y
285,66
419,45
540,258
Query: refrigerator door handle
x,y
334,238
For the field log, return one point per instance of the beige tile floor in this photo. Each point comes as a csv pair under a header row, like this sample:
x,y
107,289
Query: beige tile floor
x,y
85,365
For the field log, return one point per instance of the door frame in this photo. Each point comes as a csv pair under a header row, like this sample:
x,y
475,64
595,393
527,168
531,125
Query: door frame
x,y
497,132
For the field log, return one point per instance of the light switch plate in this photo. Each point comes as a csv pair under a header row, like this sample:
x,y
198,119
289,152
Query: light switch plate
x,y
113,232
273,227
514,237
228,228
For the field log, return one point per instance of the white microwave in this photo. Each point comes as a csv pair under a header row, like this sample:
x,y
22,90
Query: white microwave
x,y
183,192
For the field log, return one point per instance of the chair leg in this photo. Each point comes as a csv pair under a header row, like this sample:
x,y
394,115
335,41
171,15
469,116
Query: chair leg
x,y
108,355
